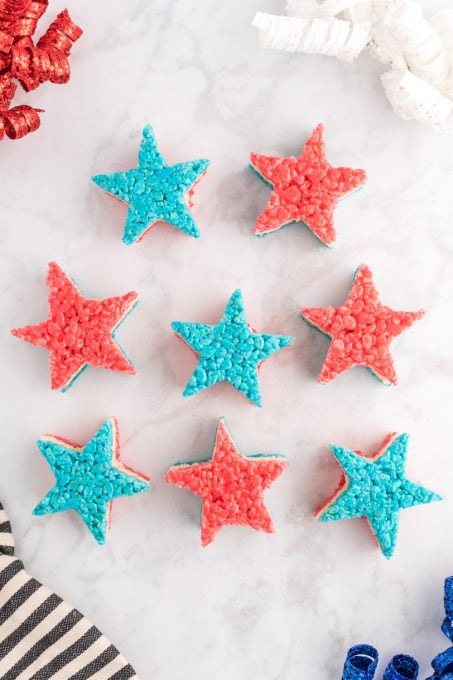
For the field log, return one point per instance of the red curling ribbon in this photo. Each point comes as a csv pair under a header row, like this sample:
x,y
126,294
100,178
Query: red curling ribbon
x,y
61,34
20,120
7,91
6,41
33,66
29,63
19,18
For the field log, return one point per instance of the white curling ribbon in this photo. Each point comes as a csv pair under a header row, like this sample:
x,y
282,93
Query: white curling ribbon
x,y
414,99
306,9
312,9
359,11
406,38
442,22
332,37
419,84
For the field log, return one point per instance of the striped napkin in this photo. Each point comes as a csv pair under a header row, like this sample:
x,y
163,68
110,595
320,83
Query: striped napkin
x,y
41,635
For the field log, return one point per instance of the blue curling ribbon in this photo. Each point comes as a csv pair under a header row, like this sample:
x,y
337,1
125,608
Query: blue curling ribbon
x,y
443,665
361,662
447,626
402,667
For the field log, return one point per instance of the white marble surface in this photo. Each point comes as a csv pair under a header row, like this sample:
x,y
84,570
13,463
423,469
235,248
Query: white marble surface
x,y
250,606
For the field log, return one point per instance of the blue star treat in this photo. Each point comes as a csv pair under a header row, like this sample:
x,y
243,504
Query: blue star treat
x,y
88,478
155,191
376,488
229,351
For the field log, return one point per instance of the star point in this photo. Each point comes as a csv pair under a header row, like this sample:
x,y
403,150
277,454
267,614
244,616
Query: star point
x,y
304,189
79,331
154,191
361,330
88,478
376,488
229,351
230,485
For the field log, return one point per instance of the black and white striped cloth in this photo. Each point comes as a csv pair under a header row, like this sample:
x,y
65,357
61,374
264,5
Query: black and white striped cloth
x,y
41,635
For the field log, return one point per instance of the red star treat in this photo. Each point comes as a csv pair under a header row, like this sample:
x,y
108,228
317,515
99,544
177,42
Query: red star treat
x,y
305,189
230,485
361,330
79,332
